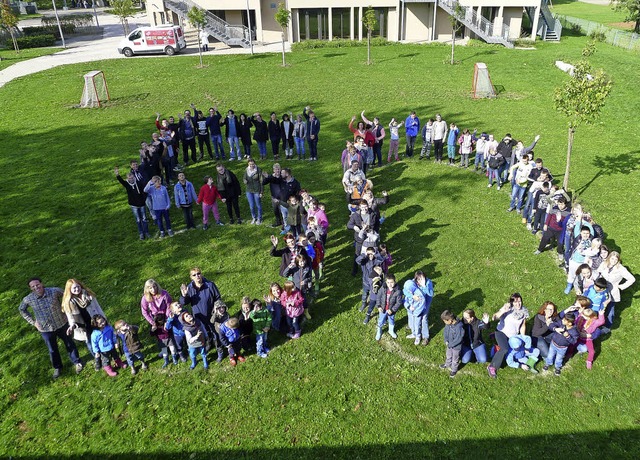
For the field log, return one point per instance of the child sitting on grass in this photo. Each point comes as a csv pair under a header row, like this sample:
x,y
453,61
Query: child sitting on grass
x,y
473,343
129,342
230,338
521,354
261,318
103,343
196,337
453,335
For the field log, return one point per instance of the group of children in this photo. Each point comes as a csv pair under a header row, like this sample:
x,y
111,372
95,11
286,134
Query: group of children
x,y
593,272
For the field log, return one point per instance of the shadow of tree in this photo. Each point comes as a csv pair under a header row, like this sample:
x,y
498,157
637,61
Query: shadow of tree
x,y
610,165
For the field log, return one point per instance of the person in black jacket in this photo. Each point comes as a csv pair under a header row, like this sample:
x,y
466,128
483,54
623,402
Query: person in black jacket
x,y
288,253
187,131
275,134
229,188
287,135
136,198
261,134
244,127
275,182
388,303
202,128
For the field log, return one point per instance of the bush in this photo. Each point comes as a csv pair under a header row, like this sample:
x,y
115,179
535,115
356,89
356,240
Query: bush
x,y
598,35
78,20
36,41
339,43
67,29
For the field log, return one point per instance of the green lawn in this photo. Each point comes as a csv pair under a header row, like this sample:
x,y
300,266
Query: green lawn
x,y
603,14
335,393
10,57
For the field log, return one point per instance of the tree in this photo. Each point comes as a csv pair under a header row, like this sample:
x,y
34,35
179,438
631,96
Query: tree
x,y
632,10
283,15
9,22
370,22
581,99
458,12
197,19
123,9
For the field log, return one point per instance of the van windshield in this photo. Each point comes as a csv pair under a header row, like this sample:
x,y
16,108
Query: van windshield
x,y
135,35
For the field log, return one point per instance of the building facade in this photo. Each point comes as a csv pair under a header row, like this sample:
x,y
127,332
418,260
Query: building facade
x,y
398,20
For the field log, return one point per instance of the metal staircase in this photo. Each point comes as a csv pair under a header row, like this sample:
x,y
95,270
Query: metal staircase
x,y
477,23
549,28
232,35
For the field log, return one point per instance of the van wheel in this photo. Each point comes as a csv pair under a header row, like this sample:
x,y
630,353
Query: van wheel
x,y
127,52
169,51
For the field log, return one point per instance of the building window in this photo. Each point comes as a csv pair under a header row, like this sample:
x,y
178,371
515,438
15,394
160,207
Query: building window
x,y
380,30
314,24
341,22
220,13
489,12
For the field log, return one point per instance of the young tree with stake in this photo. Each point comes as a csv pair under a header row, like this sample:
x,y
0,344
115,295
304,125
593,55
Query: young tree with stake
x,y
197,19
369,21
581,99
283,15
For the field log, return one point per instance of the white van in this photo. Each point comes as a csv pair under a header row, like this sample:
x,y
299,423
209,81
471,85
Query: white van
x,y
168,39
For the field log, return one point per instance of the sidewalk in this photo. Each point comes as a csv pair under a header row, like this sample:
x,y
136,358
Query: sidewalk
x,y
86,49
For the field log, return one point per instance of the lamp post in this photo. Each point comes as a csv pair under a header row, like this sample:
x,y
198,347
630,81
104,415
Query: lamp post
x,y
55,11
249,22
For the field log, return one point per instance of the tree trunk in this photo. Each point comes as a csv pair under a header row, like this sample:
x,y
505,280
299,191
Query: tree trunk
x,y
368,47
13,39
453,43
200,49
565,182
636,29
284,63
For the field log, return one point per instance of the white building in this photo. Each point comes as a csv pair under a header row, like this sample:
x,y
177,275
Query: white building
x,y
495,21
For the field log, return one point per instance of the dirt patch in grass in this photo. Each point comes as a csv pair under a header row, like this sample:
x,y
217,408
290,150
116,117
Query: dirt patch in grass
x,y
622,25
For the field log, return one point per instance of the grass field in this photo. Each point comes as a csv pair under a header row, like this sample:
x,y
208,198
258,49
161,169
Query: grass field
x,y
335,393
603,14
10,57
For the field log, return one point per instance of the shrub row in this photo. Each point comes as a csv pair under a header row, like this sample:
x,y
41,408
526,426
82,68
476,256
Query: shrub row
x,y
36,41
79,20
339,43
67,29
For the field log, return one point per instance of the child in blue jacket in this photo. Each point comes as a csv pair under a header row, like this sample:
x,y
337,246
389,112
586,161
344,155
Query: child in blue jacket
x,y
230,338
521,354
103,343
174,325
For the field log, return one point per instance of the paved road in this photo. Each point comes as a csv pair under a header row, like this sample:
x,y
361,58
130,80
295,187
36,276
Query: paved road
x,y
87,49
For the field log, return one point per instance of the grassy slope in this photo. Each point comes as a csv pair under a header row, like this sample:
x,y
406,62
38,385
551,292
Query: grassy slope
x,y
10,57
335,392
596,13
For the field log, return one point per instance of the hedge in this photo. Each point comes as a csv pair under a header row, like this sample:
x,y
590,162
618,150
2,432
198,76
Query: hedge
x,y
36,41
